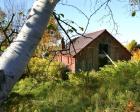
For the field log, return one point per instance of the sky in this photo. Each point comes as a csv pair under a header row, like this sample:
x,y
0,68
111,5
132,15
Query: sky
x,y
128,26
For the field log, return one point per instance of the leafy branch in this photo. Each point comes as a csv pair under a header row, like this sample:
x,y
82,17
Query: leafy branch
x,y
58,21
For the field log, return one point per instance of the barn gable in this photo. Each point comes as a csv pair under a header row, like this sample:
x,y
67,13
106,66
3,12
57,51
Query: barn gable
x,y
82,42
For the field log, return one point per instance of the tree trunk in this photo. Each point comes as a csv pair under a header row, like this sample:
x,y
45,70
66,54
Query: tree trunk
x,y
14,60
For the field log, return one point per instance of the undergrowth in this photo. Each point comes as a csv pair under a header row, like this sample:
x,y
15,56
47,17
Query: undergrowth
x,y
112,89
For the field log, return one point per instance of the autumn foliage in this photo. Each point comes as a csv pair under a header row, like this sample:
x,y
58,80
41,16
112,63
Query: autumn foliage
x,y
136,55
50,37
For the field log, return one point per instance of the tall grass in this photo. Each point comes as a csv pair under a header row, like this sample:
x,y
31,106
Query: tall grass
x,y
109,90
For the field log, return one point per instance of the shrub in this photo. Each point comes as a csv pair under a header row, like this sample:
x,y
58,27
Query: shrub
x,y
119,85
49,96
45,69
126,75
111,89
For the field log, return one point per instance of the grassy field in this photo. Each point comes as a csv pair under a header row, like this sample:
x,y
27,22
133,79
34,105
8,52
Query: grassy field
x,y
43,89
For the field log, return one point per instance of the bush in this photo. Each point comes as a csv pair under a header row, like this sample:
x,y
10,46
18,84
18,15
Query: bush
x,y
120,85
112,89
45,69
126,75
61,96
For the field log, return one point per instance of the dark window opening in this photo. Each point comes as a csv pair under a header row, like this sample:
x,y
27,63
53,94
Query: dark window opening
x,y
103,61
103,51
103,48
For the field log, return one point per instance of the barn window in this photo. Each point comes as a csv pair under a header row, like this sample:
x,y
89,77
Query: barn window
x,y
103,61
103,48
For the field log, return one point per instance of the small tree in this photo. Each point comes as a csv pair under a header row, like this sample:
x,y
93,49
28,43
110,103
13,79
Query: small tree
x,y
132,45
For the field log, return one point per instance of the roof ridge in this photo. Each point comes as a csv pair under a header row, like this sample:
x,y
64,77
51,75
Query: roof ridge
x,y
101,31
97,31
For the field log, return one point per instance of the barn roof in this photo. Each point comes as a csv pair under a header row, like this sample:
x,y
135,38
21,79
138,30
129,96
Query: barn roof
x,y
81,42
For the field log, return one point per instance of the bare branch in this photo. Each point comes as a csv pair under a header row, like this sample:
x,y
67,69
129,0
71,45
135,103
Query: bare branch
x,y
89,18
76,9
113,20
9,23
105,3
57,19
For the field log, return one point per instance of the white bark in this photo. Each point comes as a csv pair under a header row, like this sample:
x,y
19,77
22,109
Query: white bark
x,y
17,55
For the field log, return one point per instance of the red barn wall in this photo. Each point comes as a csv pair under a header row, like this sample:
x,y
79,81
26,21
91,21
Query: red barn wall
x,y
68,60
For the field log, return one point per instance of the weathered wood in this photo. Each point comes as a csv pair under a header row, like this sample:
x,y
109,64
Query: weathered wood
x,y
88,57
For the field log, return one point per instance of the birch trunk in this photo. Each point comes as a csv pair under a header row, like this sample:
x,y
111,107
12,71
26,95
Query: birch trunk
x,y
17,55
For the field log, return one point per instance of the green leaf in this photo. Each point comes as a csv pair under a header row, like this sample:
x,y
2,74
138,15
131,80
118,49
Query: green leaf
x,y
72,21
70,30
51,27
74,29
133,13
81,28
62,15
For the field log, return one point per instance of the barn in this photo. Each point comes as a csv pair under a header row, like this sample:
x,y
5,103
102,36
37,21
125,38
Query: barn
x,y
91,51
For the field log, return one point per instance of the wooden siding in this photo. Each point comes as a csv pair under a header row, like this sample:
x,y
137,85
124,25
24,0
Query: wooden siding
x,y
88,58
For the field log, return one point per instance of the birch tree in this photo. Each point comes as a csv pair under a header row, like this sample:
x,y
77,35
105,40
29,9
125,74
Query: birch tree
x,y
17,55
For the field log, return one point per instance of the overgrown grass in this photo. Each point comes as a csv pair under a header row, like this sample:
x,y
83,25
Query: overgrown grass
x,y
111,90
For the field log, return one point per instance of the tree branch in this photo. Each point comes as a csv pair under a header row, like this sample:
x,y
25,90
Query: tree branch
x,y
57,19
9,23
